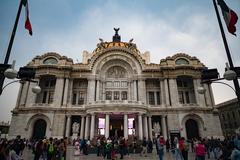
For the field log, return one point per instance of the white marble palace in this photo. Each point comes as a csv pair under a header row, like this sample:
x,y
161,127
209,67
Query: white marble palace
x,y
115,91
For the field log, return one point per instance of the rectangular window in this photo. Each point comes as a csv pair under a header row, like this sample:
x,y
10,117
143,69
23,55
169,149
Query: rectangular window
x,y
52,83
108,95
74,98
158,98
46,84
109,84
50,97
44,97
81,98
187,97
116,95
151,98
181,97
117,84
124,95
124,84
101,126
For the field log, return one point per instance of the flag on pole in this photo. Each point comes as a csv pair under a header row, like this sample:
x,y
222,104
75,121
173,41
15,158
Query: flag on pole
x,y
229,16
28,25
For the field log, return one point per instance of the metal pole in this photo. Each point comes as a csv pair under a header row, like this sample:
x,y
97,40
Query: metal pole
x,y
235,81
10,45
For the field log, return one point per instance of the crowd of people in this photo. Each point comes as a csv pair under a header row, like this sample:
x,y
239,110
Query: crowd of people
x,y
227,149
47,149
110,147
55,149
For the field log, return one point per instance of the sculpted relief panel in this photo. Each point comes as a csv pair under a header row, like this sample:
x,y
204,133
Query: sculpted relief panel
x,y
116,72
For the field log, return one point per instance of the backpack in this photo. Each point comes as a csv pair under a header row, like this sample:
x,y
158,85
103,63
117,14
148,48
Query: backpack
x,y
186,146
50,148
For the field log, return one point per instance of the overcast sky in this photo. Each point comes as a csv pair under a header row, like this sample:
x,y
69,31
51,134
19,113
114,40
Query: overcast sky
x,y
164,28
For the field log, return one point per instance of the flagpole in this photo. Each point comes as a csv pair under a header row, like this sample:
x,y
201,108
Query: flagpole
x,y
10,44
235,81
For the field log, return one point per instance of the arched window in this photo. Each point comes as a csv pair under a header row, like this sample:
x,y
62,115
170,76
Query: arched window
x,y
181,61
50,61
116,85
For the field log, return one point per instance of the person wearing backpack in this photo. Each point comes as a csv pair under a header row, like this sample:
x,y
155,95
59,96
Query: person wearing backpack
x,y
184,147
50,149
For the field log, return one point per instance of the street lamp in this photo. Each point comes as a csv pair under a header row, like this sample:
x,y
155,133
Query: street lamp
x,y
24,74
212,76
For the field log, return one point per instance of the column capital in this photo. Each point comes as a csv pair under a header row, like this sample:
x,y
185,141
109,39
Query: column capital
x,y
164,115
93,114
68,115
149,116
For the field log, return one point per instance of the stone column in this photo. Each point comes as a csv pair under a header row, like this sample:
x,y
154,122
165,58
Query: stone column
x,y
129,91
69,99
164,128
162,93
200,100
135,90
68,126
150,126
92,126
82,127
98,91
103,91
174,92
166,97
140,128
125,126
107,125
65,96
142,90
207,95
145,127
31,97
58,92
91,90
86,135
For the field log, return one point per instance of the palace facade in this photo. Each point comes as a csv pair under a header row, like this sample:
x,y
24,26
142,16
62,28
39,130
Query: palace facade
x,y
115,91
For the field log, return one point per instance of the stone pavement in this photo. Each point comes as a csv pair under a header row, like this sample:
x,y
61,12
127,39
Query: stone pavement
x,y
27,155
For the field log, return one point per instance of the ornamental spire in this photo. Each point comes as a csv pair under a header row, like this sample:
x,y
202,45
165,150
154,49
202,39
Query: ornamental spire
x,y
116,37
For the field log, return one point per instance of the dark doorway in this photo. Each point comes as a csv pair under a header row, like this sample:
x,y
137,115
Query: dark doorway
x,y
39,129
116,128
192,129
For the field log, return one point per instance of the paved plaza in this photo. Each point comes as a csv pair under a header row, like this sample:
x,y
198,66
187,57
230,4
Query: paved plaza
x,y
27,155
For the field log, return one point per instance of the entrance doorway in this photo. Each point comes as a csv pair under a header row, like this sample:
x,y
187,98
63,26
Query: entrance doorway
x,y
39,129
116,127
192,129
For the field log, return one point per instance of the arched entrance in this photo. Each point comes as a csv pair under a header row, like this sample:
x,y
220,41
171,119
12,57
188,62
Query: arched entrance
x,y
192,129
39,129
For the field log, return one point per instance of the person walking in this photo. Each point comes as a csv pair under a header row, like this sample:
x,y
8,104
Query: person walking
x,y
38,150
200,150
160,146
144,147
184,147
18,145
